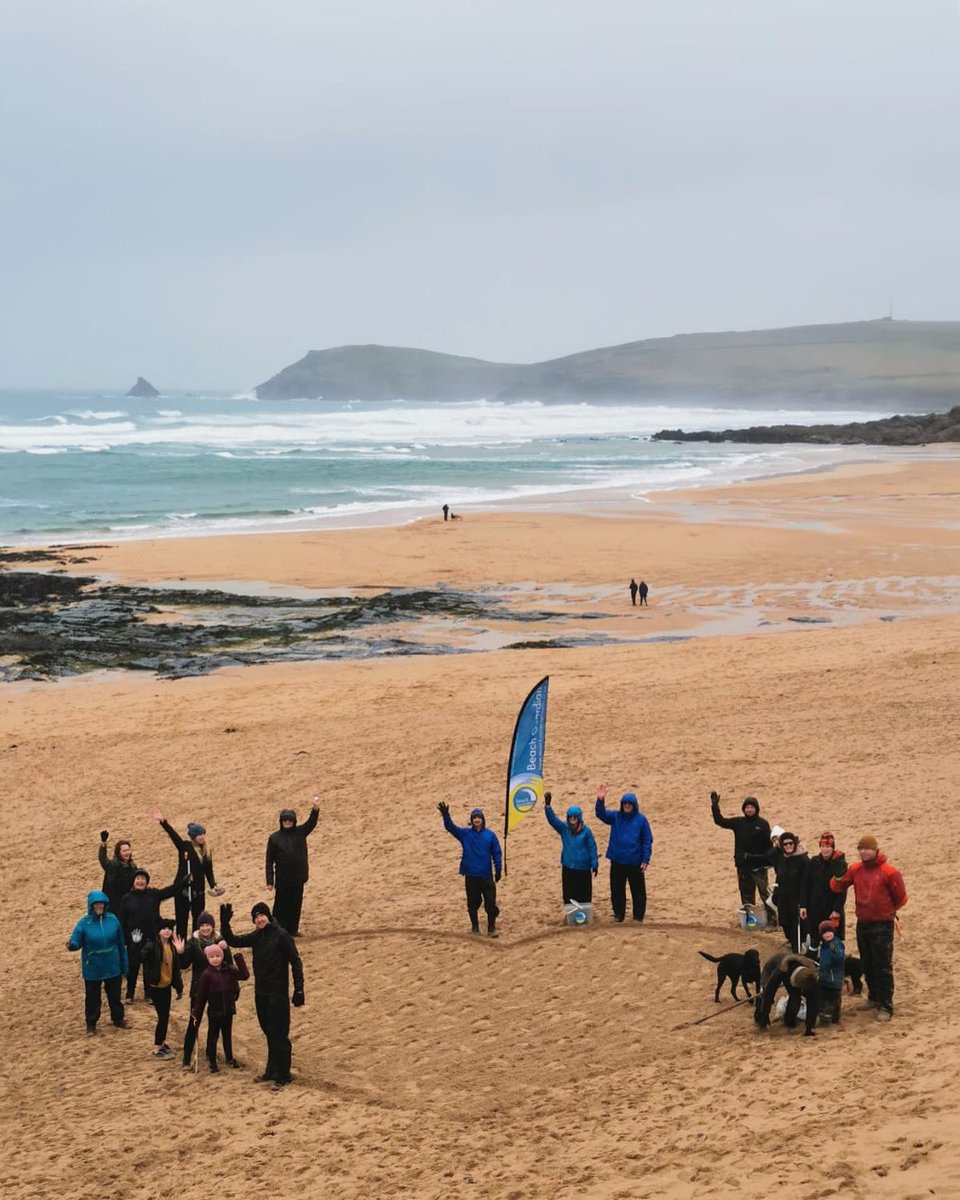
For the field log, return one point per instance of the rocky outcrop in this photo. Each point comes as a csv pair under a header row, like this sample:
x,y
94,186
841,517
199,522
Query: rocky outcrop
x,y
889,431
143,389
896,366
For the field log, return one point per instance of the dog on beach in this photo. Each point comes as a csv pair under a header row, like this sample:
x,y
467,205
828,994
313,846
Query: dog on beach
x,y
853,972
738,968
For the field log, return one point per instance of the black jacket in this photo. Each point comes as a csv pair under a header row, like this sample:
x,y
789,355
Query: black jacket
x,y
191,867
287,853
141,910
150,957
791,872
194,959
117,878
274,956
751,837
816,896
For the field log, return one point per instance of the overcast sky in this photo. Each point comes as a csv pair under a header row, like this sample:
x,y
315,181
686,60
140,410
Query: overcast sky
x,y
202,190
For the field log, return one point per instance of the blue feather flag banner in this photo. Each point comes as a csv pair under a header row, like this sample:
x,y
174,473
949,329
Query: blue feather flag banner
x,y
525,770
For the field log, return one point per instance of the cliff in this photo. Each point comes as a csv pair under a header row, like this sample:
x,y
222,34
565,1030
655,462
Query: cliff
x,y
912,365
890,431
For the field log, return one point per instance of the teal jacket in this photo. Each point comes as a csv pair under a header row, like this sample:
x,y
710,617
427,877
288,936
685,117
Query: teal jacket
x,y
104,950
579,851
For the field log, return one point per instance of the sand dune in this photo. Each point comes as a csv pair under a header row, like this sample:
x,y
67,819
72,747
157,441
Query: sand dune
x,y
554,1062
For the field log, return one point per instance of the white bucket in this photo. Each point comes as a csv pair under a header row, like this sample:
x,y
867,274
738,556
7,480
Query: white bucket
x,y
752,916
578,914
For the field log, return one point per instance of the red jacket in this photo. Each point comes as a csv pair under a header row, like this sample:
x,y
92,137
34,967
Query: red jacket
x,y
878,888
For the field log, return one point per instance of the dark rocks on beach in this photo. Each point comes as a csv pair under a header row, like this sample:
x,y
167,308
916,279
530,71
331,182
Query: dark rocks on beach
x,y
53,624
889,431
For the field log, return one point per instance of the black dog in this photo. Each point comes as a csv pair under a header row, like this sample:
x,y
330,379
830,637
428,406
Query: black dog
x,y
736,968
853,971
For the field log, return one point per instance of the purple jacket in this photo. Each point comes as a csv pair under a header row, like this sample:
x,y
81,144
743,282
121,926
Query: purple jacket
x,y
221,987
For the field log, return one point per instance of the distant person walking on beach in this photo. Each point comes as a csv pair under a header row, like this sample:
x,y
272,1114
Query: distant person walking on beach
x,y
628,850
880,893
751,849
275,956
644,592
118,871
633,591
194,871
480,866
103,961
446,512
578,855
288,866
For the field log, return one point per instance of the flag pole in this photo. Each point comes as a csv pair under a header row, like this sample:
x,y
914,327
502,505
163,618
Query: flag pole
x,y
513,746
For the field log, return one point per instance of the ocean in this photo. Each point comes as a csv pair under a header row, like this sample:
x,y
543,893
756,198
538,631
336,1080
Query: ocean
x,y
87,465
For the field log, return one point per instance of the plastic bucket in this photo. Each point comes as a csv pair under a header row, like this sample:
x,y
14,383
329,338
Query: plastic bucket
x,y
752,916
578,914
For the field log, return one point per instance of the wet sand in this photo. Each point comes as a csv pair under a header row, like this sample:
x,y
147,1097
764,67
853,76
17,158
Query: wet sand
x,y
553,1062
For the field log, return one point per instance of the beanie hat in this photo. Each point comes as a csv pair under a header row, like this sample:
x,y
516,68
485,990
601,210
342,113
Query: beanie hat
x,y
827,927
258,909
868,842
209,951
750,800
142,871
803,978
827,836
165,923
776,831
194,830
629,798
205,918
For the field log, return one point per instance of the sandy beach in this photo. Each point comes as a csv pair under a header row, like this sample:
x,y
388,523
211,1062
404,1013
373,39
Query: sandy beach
x,y
554,1062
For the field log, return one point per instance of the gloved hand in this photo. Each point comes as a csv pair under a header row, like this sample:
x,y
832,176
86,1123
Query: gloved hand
x,y
548,798
443,809
226,914
298,999
496,876
104,834
714,797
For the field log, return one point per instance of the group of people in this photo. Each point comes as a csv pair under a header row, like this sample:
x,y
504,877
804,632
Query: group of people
x,y
808,903
628,852
640,589
123,933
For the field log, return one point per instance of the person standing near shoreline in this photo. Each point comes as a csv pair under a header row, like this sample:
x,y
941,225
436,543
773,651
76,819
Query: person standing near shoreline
x,y
634,588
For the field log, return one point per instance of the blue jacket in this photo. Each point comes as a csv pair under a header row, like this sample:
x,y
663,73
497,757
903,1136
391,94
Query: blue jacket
x,y
480,847
831,964
579,850
102,942
631,841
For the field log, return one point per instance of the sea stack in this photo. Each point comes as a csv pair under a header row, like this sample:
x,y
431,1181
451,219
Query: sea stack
x,y
143,388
